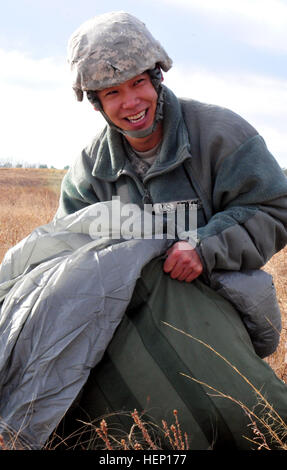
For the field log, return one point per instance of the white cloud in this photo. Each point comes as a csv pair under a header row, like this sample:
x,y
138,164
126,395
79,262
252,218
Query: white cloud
x,y
19,68
40,119
273,12
261,23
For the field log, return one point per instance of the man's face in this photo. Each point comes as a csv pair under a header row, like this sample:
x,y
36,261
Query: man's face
x,y
132,104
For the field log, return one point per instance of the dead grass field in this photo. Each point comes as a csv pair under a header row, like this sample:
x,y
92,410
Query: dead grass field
x,y
29,198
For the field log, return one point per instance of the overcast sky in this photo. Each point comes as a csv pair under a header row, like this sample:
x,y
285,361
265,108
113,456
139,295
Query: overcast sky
x,y
227,52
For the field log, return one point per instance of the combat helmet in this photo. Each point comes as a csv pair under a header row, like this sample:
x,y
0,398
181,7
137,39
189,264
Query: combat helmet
x,y
110,49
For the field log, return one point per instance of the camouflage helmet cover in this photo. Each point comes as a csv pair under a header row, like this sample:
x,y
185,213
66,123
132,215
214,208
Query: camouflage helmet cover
x,y
110,49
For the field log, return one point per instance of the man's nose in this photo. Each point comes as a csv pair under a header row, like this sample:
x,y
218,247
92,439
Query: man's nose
x,y
130,100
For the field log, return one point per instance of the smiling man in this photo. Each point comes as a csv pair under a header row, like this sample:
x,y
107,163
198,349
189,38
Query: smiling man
x,y
161,150
168,152
132,107
118,63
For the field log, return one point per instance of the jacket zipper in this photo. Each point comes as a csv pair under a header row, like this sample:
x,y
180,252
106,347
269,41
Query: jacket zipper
x,y
146,196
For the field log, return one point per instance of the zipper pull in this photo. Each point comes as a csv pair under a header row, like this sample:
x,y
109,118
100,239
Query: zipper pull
x,y
147,199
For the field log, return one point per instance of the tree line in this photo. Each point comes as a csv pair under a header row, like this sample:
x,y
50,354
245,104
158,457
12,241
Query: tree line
x,y
9,164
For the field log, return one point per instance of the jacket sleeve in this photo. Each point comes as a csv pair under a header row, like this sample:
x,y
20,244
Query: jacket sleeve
x,y
249,221
77,190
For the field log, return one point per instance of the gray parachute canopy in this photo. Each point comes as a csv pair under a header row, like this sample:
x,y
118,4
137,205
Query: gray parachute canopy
x,y
110,49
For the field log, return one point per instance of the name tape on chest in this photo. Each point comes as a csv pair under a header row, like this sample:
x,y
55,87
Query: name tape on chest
x,y
173,206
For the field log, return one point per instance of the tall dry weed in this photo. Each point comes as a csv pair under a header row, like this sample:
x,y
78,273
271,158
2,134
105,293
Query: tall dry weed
x,y
273,429
143,435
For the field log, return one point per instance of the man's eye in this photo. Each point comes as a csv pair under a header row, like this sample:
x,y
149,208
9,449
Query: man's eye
x,y
112,92
137,82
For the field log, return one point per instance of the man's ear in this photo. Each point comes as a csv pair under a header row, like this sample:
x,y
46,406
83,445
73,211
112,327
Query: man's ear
x,y
91,95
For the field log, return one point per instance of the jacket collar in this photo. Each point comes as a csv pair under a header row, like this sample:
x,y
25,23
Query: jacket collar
x,y
111,160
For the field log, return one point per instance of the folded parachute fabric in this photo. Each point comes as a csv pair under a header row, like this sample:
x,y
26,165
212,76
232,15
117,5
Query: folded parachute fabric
x,y
63,294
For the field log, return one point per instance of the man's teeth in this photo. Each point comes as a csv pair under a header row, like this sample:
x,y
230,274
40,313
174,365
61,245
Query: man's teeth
x,y
136,117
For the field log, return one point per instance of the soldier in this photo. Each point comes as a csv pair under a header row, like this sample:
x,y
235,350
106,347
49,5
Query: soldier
x,y
158,149
117,63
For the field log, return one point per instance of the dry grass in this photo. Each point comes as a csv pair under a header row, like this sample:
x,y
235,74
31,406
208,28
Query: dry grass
x,y
28,199
277,266
143,435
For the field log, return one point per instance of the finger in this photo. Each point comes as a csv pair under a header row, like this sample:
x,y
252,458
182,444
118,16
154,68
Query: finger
x,y
169,264
182,267
176,271
184,275
192,276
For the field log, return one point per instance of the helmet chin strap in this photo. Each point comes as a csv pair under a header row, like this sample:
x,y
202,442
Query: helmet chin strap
x,y
141,133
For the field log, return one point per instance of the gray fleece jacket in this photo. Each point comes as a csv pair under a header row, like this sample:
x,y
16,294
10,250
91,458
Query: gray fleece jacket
x,y
208,153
